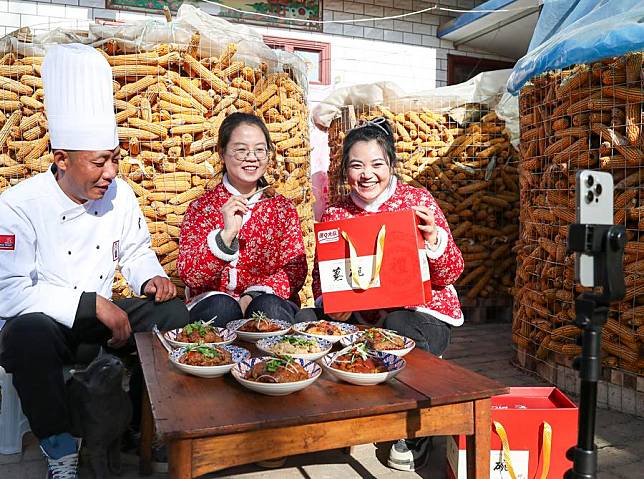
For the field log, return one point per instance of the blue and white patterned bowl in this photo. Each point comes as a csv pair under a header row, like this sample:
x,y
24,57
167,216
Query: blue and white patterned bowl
x,y
238,354
355,338
252,337
240,370
346,329
267,345
393,363
227,335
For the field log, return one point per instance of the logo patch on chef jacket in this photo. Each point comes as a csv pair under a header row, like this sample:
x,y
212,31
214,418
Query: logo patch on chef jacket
x,y
7,242
115,251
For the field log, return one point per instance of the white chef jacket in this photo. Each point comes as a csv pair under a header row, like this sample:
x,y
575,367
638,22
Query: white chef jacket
x,y
53,249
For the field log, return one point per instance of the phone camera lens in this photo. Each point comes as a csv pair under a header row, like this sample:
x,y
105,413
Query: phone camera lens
x,y
598,189
590,180
590,197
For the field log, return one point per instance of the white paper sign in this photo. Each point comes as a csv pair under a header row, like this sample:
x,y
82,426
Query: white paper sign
x,y
335,274
457,462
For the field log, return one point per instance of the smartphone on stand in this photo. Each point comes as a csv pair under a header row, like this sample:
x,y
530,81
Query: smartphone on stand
x,y
594,192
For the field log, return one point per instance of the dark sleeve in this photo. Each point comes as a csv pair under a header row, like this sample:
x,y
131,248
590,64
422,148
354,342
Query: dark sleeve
x,y
86,307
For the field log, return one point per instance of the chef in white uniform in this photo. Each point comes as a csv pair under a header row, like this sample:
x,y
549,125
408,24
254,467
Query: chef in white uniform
x,y
62,233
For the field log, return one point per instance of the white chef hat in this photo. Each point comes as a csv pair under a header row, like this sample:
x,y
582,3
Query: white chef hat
x,y
78,98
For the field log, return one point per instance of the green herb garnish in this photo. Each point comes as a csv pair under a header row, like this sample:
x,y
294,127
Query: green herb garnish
x,y
274,364
298,341
206,351
199,326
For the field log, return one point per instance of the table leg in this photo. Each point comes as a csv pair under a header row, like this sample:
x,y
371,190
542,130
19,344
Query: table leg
x,y
180,459
478,444
147,431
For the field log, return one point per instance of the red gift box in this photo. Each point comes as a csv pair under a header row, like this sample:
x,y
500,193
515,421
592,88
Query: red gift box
x,y
390,267
538,426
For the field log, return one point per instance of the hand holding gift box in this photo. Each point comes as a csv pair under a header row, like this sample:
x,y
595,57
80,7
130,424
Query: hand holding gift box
x,y
373,262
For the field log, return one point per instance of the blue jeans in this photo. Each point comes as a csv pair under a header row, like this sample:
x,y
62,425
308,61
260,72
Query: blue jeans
x,y
227,309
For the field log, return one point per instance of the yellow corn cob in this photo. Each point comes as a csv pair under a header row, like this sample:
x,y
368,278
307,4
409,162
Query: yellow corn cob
x,y
182,119
190,128
174,108
146,58
186,99
272,102
179,176
171,186
10,105
121,71
203,144
227,54
15,70
176,99
13,120
31,103
152,156
169,59
146,110
173,219
240,82
161,227
167,247
243,94
39,148
159,239
291,86
127,133
31,60
223,104
197,93
41,164
123,115
289,143
8,59
201,71
232,70
33,134
266,94
6,95
6,160
15,170
277,137
157,130
138,189
624,93
189,195
135,87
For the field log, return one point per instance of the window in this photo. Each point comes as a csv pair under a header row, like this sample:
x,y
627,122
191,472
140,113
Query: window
x,y
460,69
317,56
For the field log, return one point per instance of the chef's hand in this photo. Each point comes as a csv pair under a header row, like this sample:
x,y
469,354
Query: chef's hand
x,y
340,316
233,212
115,319
162,288
428,224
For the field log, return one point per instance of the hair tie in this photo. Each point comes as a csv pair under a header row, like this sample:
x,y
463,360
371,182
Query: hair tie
x,y
376,122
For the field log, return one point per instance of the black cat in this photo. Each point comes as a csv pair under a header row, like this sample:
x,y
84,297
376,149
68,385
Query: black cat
x,y
100,411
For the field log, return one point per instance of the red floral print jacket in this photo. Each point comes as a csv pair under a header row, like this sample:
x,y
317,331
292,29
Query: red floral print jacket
x,y
445,264
270,258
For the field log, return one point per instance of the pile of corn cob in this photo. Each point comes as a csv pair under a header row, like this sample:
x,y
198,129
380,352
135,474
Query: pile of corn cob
x,y
469,169
169,105
589,116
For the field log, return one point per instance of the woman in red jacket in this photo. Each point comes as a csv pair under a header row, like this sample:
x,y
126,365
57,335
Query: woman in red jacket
x,y
368,163
241,250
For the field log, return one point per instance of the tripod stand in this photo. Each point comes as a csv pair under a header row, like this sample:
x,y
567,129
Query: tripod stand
x,y
606,244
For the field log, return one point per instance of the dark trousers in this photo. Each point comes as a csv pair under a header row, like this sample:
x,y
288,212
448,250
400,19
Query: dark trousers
x,y
227,309
35,348
429,333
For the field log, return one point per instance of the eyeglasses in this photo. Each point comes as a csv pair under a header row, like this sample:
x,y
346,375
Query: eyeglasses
x,y
241,154
377,122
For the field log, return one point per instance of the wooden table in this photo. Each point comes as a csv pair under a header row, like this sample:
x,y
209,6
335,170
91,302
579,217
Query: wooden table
x,y
213,424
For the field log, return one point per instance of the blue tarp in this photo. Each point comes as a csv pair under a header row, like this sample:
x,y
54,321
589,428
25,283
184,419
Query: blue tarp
x,y
570,32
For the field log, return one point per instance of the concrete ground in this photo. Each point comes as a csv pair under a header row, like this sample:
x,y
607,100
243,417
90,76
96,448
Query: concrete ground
x,y
485,348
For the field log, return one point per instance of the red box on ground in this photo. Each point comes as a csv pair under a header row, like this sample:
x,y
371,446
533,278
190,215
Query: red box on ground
x,y
526,415
390,266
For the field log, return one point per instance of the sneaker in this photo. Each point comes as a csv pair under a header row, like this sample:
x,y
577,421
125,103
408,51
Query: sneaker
x,y
410,454
66,467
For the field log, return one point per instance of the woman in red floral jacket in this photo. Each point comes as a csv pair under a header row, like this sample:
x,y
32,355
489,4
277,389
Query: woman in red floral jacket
x,y
368,163
241,250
